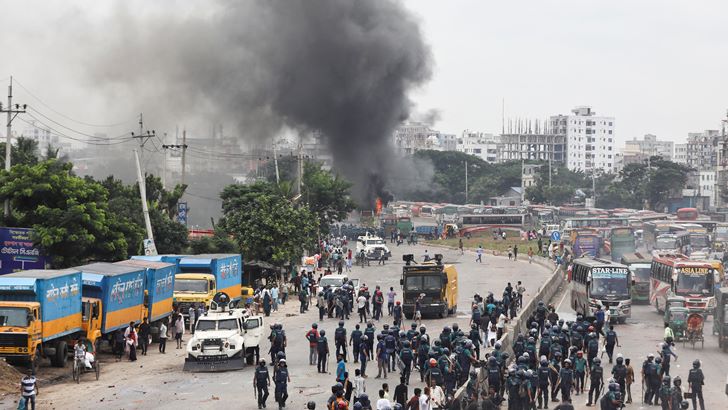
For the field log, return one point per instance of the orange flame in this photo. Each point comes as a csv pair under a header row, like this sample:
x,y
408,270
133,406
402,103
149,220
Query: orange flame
x,y
378,205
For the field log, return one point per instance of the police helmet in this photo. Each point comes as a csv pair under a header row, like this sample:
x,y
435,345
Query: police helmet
x,y
492,360
423,329
341,323
658,359
370,324
567,361
677,381
597,360
433,362
365,337
311,405
696,364
505,356
520,373
579,329
261,362
497,345
684,405
446,351
414,326
620,360
455,326
666,380
379,336
322,332
386,326
531,339
544,362
650,356
280,355
423,339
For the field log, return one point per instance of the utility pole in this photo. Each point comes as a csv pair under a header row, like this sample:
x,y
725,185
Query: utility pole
x,y
466,182
183,147
150,248
275,162
184,154
12,113
299,174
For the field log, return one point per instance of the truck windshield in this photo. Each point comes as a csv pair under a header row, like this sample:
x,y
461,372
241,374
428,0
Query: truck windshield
x,y
423,282
190,285
10,316
227,324
205,325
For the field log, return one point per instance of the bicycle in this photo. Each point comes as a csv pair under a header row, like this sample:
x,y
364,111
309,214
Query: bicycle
x,y
79,368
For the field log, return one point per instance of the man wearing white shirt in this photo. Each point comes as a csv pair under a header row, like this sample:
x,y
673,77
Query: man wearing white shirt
x,y
425,400
359,386
382,403
438,397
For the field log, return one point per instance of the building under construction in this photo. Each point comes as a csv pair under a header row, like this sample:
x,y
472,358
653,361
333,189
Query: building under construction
x,y
532,146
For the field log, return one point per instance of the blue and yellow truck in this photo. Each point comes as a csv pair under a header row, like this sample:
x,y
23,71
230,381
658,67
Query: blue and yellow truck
x,y
200,277
115,294
158,290
40,315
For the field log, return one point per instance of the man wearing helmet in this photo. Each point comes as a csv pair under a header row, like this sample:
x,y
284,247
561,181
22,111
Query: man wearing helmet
x,y
676,394
544,371
596,375
406,355
364,354
340,340
281,378
664,392
651,379
565,381
695,384
261,381
619,371
322,350
433,375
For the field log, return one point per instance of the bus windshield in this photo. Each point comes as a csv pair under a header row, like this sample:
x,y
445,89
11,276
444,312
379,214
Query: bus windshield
x,y
666,243
699,240
643,274
423,282
692,284
609,281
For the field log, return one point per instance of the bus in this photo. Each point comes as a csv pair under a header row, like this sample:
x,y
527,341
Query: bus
x,y
639,264
699,238
720,234
504,220
405,225
651,230
687,214
621,241
586,243
578,223
600,282
677,275
678,242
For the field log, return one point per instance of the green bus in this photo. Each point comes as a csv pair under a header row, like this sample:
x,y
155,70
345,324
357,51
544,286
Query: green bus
x,y
621,241
405,225
639,264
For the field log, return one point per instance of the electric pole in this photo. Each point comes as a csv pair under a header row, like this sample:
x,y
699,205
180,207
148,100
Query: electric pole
x,y
275,162
184,152
183,147
149,247
466,182
299,174
12,113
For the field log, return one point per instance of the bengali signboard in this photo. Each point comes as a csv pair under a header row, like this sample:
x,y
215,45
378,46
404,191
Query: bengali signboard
x,y
17,251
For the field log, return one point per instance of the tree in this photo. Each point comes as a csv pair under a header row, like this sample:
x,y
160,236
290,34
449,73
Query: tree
x,y
23,152
220,242
69,215
327,195
564,184
267,225
169,235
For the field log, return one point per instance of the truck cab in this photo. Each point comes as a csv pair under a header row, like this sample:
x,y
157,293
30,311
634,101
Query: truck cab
x,y
91,314
19,330
193,289
435,283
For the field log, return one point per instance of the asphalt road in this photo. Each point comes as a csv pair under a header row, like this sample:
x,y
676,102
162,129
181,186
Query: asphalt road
x,y
157,381
641,335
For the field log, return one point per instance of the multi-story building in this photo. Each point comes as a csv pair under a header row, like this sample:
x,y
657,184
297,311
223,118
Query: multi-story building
x,y
707,185
480,144
589,139
532,146
681,154
650,146
702,150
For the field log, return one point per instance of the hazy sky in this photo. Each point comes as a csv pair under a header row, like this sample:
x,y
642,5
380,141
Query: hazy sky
x,y
657,66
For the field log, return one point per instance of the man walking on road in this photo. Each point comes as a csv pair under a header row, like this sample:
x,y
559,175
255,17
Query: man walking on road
x,y
515,252
460,245
479,253
144,336
163,337
261,381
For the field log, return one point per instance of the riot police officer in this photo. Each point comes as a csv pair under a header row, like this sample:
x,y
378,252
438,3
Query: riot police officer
x,y
664,393
261,381
322,347
651,379
355,341
282,378
543,383
696,380
596,377
340,340
407,356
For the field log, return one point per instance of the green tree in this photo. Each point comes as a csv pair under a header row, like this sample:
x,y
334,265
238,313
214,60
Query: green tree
x,y
327,195
70,215
220,242
267,225
23,152
564,184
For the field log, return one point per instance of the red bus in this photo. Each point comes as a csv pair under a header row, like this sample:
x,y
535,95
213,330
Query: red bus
x,y
676,275
687,214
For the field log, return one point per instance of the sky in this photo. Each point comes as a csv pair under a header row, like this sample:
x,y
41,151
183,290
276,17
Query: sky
x,y
657,66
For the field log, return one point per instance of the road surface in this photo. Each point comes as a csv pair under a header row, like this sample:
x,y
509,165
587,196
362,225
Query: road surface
x,y
157,381
641,335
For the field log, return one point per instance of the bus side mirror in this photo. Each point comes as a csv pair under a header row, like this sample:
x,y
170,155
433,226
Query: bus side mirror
x,y
401,282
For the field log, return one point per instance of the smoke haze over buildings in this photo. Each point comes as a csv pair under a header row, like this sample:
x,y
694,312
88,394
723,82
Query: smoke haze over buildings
x,y
343,68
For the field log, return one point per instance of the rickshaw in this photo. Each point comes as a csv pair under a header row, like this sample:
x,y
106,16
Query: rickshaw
x,y
79,367
694,330
676,318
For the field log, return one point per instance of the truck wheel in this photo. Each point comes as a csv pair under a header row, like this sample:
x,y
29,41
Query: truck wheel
x,y
61,354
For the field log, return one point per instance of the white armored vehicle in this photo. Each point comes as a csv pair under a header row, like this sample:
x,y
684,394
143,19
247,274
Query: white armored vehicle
x,y
225,338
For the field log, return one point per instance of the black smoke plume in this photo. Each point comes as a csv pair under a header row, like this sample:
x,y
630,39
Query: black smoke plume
x,y
340,67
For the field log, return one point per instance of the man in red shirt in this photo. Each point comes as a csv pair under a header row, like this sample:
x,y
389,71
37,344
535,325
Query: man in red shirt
x,y
312,336
414,401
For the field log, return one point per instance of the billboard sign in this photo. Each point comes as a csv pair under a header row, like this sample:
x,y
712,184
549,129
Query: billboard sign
x,y
17,251
182,212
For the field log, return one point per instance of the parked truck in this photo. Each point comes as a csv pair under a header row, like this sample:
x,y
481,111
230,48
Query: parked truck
x,y
40,315
158,291
114,295
201,277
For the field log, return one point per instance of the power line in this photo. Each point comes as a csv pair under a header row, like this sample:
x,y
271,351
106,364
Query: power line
x,y
64,126
203,197
67,117
62,135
